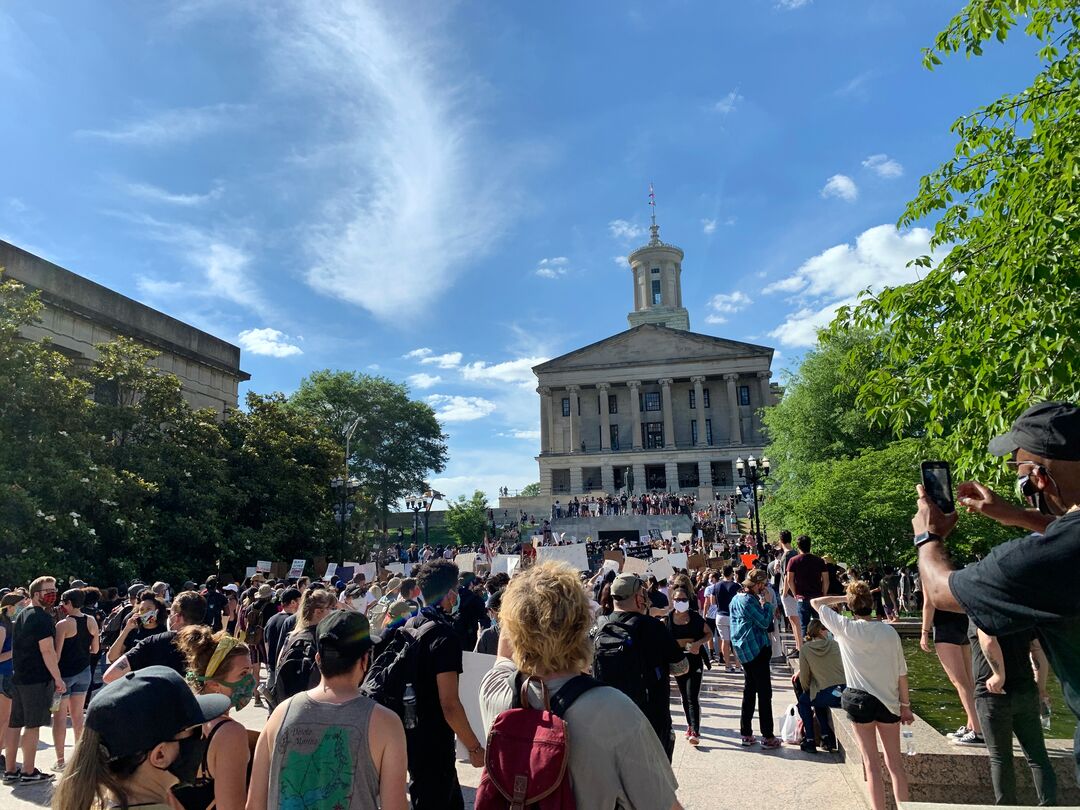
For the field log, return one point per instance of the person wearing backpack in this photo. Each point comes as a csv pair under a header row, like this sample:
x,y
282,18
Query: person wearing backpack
x,y
251,626
635,653
611,753
297,668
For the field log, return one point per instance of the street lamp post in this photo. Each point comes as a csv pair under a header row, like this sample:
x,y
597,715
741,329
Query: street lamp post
x,y
415,505
344,487
755,473
422,502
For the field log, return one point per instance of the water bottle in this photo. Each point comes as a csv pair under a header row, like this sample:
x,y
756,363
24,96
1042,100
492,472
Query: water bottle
x,y
908,741
409,700
55,707
1045,715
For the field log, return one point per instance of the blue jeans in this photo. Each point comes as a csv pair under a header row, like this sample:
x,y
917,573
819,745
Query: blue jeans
x,y
806,613
828,698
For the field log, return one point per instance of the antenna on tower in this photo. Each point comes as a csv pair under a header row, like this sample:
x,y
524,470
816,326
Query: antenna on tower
x,y
654,229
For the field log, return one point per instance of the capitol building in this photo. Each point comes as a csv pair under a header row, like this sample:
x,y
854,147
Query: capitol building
x,y
656,407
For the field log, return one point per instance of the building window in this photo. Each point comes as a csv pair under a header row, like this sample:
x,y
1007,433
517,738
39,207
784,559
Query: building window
x,y
652,434
614,437
744,394
708,432
652,401
656,270
693,431
705,398
656,292
691,393
612,403
566,406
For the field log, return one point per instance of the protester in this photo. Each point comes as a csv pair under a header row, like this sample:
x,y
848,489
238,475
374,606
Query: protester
x,y
216,603
142,738
615,758
723,593
160,649
8,604
821,677
876,698
788,600
76,638
471,616
1020,585
954,652
274,631
751,614
297,668
690,631
35,681
488,642
808,578
148,618
1007,701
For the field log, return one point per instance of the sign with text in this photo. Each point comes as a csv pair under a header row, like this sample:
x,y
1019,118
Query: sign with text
x,y
263,566
677,560
576,556
696,561
661,569
633,565
296,570
331,569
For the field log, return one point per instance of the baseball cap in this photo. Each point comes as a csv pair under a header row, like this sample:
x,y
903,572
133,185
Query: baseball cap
x,y
626,585
232,586
344,633
1050,430
77,583
146,707
393,584
11,599
135,590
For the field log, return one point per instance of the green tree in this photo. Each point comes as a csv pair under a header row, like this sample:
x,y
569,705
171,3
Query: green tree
x,y
992,328
530,490
466,519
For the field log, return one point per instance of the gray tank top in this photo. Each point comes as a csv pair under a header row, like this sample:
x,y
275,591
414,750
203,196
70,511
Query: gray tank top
x,y
322,757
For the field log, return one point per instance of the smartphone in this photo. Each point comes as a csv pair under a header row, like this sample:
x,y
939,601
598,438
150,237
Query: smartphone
x,y
937,483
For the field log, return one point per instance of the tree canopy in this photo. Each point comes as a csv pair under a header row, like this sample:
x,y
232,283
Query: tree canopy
x,y
466,518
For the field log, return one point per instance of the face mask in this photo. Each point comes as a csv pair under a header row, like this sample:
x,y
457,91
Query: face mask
x,y
495,624
48,599
1034,496
242,690
456,606
146,619
188,759
682,606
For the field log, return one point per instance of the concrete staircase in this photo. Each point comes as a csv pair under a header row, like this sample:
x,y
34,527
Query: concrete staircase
x,y
630,525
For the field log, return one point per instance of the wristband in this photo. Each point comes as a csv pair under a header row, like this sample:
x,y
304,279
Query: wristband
x,y
925,537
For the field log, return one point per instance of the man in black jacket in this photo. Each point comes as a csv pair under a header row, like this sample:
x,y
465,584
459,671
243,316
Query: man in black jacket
x,y
471,616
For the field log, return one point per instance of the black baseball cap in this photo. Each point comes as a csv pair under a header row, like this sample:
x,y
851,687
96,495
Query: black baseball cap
x,y
1050,430
146,707
346,634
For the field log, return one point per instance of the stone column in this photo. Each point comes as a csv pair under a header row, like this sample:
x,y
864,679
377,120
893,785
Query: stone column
x,y
545,418
640,484
545,481
575,425
699,407
635,417
733,408
671,473
669,416
607,478
576,482
704,473
605,416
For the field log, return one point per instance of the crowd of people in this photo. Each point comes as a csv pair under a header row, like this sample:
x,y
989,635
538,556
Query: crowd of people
x,y
646,503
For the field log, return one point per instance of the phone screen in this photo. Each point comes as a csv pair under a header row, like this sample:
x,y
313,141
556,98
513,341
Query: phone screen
x,y
938,484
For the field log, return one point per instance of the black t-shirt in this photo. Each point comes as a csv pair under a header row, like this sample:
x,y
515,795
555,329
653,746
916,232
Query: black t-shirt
x,y
660,651
31,626
471,616
1030,584
273,635
1015,649
157,650
723,592
689,632
440,652
215,607
657,599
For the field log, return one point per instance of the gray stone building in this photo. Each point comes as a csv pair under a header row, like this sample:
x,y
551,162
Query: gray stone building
x,y
79,314
670,407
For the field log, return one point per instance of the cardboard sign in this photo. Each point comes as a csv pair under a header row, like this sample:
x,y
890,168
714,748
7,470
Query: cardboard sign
x,y
263,566
465,562
616,555
368,570
612,565
318,565
577,556
633,565
279,569
696,561
331,569
512,565
661,569
296,570
501,563
677,560
748,559
685,537
666,534
398,569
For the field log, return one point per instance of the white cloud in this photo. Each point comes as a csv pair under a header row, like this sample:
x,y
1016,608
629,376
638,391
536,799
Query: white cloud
x,y
511,371
715,319
729,302
146,191
621,261
842,186
423,380
728,103
407,152
789,284
625,231
552,268
883,166
793,4
528,435
448,360
708,225
800,328
857,85
268,342
449,408
416,354
170,126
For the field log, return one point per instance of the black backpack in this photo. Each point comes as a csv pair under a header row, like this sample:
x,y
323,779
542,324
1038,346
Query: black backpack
x,y
296,668
397,665
114,624
619,660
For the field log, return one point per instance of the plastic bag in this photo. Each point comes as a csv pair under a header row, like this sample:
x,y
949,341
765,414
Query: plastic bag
x,y
789,728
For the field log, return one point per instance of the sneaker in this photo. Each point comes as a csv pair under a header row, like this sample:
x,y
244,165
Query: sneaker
x,y
37,776
971,738
58,766
771,742
829,745
693,738
730,669
12,776
748,741
808,747
960,732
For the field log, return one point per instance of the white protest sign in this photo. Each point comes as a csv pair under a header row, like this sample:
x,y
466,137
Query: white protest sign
x,y
474,666
632,565
685,537
658,554
465,561
263,566
396,568
367,569
297,569
331,569
576,555
610,565
512,565
251,571
661,569
353,565
666,534
501,563
677,560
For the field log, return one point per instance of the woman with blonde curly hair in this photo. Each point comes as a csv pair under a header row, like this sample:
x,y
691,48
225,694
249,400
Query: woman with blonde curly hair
x,y
296,667
615,758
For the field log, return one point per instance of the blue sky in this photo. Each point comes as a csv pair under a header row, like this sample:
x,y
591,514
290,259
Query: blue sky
x,y
442,193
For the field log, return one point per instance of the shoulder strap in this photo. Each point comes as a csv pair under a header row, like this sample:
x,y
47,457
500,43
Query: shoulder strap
x,y
570,692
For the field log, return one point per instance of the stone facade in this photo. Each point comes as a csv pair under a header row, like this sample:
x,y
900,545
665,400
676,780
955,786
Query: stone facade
x,y
79,314
657,406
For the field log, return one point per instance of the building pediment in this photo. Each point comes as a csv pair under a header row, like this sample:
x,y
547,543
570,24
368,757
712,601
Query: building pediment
x,y
651,344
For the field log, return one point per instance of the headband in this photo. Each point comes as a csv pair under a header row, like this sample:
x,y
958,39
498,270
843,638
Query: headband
x,y
224,647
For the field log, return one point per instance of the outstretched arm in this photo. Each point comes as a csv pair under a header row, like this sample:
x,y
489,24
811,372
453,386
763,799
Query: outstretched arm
x,y
935,567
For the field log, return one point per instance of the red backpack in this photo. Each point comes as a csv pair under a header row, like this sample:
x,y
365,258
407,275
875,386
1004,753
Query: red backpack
x,y
528,751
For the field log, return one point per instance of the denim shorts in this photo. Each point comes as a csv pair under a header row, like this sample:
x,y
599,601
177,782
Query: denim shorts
x,y
6,688
78,683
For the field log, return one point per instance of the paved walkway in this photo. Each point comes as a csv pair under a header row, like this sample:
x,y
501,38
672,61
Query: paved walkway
x,y
718,774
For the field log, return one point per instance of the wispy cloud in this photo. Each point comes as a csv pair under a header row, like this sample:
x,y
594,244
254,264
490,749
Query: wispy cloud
x,y
723,304
842,186
621,261
152,193
625,231
791,5
268,342
728,103
552,268
170,126
511,371
423,380
883,166
708,226
416,354
448,360
857,86
410,153
451,408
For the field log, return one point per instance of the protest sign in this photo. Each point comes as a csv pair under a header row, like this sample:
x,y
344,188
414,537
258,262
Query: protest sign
x,y
633,565
666,534
474,666
576,556
398,569
251,571
696,561
465,561
279,569
263,566
296,570
748,559
368,570
345,573
512,565
500,565
677,560
331,569
661,569
685,537
612,565
639,550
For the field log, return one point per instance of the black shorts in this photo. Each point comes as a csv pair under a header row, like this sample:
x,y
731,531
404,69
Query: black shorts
x,y
862,707
950,628
31,704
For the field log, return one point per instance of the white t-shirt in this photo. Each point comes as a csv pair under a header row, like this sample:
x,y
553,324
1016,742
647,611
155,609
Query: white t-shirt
x,y
710,591
872,655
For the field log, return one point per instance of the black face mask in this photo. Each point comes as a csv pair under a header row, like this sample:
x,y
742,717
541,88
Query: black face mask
x,y
190,756
1034,496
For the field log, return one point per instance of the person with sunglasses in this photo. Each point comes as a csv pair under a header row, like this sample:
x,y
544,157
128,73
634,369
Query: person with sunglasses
x,y
1027,583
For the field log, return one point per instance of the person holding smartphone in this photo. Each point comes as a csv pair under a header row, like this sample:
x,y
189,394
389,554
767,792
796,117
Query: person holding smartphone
x,y
1014,587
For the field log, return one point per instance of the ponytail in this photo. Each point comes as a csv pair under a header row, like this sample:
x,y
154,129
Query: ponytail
x,y
92,780
859,598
